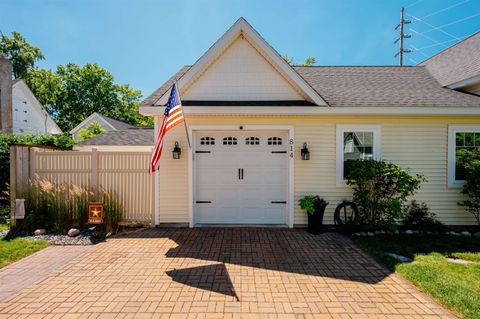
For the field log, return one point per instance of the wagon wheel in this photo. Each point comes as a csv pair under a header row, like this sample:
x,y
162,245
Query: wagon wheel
x,y
346,215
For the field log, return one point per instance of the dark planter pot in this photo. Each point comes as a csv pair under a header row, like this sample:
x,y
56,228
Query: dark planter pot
x,y
315,220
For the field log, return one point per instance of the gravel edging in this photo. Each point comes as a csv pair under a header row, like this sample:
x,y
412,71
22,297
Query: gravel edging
x,y
84,239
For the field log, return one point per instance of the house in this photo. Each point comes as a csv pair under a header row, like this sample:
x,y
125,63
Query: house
x,y
458,67
21,112
134,139
250,114
107,123
28,114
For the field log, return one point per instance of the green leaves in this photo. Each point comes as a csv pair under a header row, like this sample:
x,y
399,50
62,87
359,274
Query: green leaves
x,y
470,160
91,130
307,204
22,54
380,189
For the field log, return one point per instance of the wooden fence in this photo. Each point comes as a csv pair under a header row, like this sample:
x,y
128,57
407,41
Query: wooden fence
x,y
121,173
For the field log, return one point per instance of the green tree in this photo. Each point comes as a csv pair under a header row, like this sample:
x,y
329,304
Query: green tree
x,y
22,54
90,131
72,93
309,61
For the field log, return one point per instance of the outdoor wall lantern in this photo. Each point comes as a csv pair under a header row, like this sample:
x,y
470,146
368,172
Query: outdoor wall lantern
x,y
176,151
305,153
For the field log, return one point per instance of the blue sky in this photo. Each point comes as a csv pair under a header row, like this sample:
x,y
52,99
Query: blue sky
x,y
143,42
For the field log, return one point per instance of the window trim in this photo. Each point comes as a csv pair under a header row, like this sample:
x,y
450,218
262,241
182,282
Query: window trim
x,y
452,131
341,129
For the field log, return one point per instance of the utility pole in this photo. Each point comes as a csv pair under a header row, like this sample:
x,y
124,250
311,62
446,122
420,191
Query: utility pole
x,y
403,36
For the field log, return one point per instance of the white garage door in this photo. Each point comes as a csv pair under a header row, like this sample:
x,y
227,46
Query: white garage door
x,y
241,177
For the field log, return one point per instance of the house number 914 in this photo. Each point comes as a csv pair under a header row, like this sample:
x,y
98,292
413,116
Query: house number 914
x,y
291,147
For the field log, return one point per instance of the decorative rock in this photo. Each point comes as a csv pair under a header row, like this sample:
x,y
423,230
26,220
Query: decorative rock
x,y
428,232
477,234
397,232
108,235
363,234
408,232
465,233
73,232
39,232
400,258
370,234
92,228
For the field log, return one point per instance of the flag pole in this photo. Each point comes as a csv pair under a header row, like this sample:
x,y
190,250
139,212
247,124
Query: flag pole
x,y
184,118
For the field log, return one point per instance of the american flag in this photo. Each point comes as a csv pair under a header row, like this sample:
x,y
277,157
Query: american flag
x,y
172,116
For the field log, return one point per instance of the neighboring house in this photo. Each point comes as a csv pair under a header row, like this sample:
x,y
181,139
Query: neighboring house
x,y
28,114
107,123
249,114
139,139
458,67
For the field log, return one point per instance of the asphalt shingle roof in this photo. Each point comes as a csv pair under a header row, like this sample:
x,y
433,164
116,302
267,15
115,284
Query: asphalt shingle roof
x,y
132,136
118,125
456,63
380,86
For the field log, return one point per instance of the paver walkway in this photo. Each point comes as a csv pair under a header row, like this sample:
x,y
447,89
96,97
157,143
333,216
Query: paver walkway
x,y
36,267
222,273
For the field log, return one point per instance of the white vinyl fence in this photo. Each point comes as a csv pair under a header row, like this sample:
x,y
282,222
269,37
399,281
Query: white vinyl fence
x,y
121,173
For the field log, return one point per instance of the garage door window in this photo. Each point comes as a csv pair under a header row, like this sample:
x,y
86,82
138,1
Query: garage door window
x,y
207,141
252,141
229,140
274,141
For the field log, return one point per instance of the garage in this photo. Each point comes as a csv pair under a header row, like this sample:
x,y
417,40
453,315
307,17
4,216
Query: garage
x,y
241,177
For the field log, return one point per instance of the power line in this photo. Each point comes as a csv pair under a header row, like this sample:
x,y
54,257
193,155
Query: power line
x,y
445,9
445,25
434,28
427,37
417,50
439,43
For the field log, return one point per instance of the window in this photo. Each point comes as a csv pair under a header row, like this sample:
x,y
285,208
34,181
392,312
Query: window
x,y
207,141
252,141
460,138
229,140
274,141
354,143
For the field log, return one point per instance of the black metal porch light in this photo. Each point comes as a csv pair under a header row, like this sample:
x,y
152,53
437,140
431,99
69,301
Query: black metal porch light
x,y
176,151
305,153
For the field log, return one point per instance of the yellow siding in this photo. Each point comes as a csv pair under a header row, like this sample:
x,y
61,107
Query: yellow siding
x,y
416,143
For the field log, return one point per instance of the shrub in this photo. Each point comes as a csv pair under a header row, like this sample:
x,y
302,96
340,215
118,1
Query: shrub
x,y
470,160
62,141
308,203
419,217
58,207
90,131
380,189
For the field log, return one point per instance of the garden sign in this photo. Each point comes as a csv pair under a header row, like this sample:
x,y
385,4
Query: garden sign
x,y
95,213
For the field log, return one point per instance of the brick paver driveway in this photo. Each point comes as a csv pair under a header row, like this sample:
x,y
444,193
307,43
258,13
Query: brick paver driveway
x,y
222,273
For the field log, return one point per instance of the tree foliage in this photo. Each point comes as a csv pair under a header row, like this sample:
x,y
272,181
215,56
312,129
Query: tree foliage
x,y
380,189
470,160
90,131
72,93
22,54
309,61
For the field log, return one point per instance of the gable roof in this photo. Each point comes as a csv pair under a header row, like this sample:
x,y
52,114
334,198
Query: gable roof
x,y
37,106
132,136
390,86
456,63
112,123
241,28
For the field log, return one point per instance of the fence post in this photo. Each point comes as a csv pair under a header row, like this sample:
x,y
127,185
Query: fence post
x,y
32,154
94,176
13,178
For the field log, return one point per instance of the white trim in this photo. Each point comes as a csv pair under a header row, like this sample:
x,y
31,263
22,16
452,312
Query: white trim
x,y
242,27
341,129
82,123
466,82
191,175
452,131
315,110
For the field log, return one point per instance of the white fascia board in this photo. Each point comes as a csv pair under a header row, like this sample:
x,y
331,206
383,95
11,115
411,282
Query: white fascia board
x,y
243,27
463,83
97,116
314,110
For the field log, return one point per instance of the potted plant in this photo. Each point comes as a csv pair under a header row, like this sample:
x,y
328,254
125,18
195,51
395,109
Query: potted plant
x,y
315,207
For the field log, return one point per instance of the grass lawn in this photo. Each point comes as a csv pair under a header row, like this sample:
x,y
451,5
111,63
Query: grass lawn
x,y
455,285
18,248
3,227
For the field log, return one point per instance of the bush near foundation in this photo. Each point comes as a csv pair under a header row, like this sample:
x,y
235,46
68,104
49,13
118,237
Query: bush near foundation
x,y
470,160
381,189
